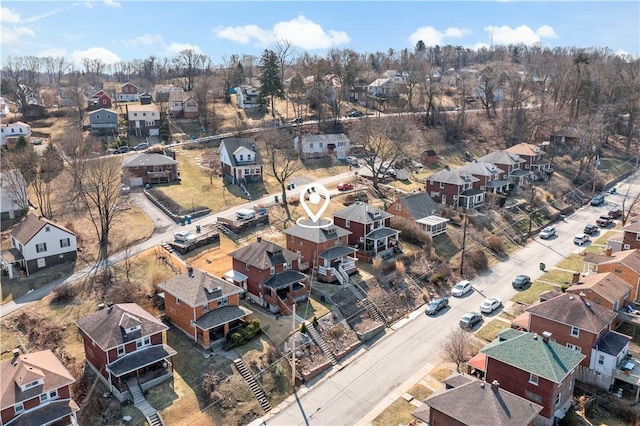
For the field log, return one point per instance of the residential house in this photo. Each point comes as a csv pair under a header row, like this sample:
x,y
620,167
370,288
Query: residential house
x,y
10,133
38,243
103,122
126,346
429,156
533,159
35,390
145,98
370,228
421,209
100,100
161,92
323,246
248,97
493,405
144,120
14,200
204,307
453,187
512,164
326,145
564,140
358,93
128,93
240,160
629,238
142,169
491,179
604,289
624,264
388,83
6,107
183,105
531,366
270,274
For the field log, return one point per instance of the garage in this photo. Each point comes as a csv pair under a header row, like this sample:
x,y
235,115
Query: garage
x,y
136,181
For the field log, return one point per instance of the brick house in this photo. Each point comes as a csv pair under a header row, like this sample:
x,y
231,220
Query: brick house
x,y
270,274
126,346
493,405
531,366
319,146
142,169
533,159
604,289
144,120
204,307
128,93
183,105
624,264
240,160
100,100
420,208
512,164
323,248
370,228
454,188
630,235
491,179
35,390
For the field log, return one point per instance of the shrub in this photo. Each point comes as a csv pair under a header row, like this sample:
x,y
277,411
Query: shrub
x,y
210,381
436,279
303,328
410,231
377,264
495,243
293,201
477,259
400,268
425,295
245,334
388,267
64,292
171,205
124,292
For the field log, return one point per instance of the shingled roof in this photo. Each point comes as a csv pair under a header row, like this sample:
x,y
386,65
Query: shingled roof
x,y
31,225
628,258
362,213
263,255
321,233
231,145
418,205
198,287
453,177
148,160
607,285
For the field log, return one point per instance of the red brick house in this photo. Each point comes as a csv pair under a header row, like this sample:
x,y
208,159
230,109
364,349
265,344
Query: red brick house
x,y
631,235
510,163
142,169
454,188
35,390
323,248
240,160
533,367
204,307
533,159
604,289
371,230
125,346
270,274
489,177
624,264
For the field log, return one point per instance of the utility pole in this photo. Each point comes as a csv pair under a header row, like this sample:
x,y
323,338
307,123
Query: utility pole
x,y
530,209
293,349
464,239
595,174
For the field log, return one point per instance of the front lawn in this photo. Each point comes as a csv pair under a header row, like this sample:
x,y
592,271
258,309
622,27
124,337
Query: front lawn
x,y
490,330
531,294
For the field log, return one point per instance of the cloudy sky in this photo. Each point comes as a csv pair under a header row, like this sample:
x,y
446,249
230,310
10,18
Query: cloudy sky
x,y
123,30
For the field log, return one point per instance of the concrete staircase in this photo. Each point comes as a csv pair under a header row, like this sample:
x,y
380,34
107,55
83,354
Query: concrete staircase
x,y
320,342
151,414
370,307
253,384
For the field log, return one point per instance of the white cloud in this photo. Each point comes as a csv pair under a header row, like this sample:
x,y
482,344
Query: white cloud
x,y
105,55
11,35
173,48
300,31
54,52
9,16
145,39
506,35
112,3
431,37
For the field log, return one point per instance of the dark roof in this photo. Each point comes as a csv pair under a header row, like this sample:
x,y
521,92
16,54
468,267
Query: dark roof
x,y
141,358
263,255
530,353
457,379
574,311
611,343
12,255
47,414
198,288
607,285
491,405
382,232
148,160
221,316
502,157
104,327
362,213
628,258
482,168
31,225
284,279
452,176
316,234
230,145
471,192
418,205
337,251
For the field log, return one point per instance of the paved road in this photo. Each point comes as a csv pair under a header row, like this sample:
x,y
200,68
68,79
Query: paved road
x,y
357,393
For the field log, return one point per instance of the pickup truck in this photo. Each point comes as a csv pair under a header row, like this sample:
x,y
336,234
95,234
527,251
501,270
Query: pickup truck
x,y
604,221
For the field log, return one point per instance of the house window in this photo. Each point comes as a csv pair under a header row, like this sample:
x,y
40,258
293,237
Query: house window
x,y
47,228
223,301
120,350
247,171
98,116
108,115
144,114
575,331
241,157
41,263
558,398
381,222
272,270
310,145
637,237
286,266
398,207
177,301
600,359
42,247
533,379
347,223
247,266
441,185
617,271
18,408
135,114
145,341
574,348
65,242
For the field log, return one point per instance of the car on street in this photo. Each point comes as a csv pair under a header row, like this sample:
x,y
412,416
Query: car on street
x,y
122,149
354,113
597,200
351,160
604,221
344,186
462,288
297,120
436,305
141,146
521,281
580,239
547,232
490,304
615,213
469,320
591,229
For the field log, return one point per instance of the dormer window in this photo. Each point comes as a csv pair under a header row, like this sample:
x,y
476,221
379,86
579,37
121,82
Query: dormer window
x,y
32,385
241,157
47,228
272,270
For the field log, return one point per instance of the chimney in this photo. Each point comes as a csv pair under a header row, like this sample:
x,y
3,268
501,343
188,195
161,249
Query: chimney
x,y
545,336
190,271
495,385
608,251
109,307
582,294
575,279
259,239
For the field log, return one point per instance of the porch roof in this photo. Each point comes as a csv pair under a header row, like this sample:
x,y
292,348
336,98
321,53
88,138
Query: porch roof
x,y
140,359
12,255
432,220
470,192
236,276
285,279
383,232
221,316
47,414
497,183
520,172
336,251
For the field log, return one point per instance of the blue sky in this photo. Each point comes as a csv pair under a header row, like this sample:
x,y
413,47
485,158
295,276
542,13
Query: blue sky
x,y
124,30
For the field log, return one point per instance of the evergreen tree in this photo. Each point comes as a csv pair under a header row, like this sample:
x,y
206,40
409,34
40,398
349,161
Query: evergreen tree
x,y
271,84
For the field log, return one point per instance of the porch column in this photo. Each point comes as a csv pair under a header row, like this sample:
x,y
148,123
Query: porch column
x,y
205,338
637,393
226,329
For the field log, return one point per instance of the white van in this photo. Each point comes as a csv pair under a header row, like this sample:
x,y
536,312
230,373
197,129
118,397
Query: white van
x,y
245,214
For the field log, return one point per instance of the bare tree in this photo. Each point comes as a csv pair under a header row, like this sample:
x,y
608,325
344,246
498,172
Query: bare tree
x,y
76,95
94,68
14,187
55,68
189,63
21,76
284,54
628,209
458,348
49,166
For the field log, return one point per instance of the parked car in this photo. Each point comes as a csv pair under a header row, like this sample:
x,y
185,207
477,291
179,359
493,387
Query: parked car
x,y
344,186
590,229
521,281
183,236
141,146
469,320
351,160
354,113
604,221
462,288
436,305
547,232
580,239
597,200
122,149
297,120
490,304
615,213
245,214
632,310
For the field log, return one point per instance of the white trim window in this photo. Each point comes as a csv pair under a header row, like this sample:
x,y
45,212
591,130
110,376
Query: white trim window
x,y
120,350
533,379
143,342
223,301
575,331
65,242
41,248
558,398
574,348
18,408
272,270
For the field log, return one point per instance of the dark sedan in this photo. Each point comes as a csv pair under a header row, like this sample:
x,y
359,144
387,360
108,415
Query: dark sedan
x,y
436,305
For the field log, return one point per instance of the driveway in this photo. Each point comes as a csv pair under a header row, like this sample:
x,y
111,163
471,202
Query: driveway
x,y
161,222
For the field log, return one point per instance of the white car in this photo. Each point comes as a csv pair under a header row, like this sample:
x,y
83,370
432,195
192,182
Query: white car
x,y
184,236
490,304
462,288
580,239
547,232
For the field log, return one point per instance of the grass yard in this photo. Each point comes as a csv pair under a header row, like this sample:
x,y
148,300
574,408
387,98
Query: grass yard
x,y
557,276
531,294
573,263
443,371
490,330
398,413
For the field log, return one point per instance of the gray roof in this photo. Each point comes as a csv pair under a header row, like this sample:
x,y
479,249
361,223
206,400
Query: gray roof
x,y
491,405
418,205
148,160
263,255
382,232
104,328
230,145
337,251
326,138
46,414
481,168
316,234
31,226
457,379
502,157
141,358
285,278
180,96
221,316
612,343
471,192
454,177
362,213
576,311
198,288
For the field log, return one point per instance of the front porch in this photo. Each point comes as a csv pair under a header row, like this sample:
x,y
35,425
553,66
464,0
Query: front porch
x,y
498,187
628,371
336,264
285,289
214,326
433,225
471,198
13,262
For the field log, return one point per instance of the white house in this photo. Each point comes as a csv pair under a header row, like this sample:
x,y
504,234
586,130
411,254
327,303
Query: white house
x,y
6,106
128,93
144,120
13,194
38,243
317,146
240,160
9,133
247,96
